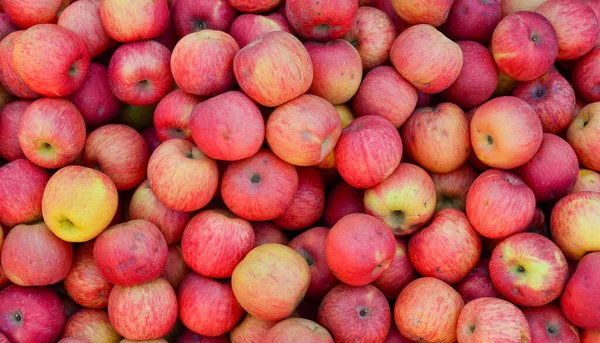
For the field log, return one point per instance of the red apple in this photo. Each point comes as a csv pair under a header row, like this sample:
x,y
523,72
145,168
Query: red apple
x,y
282,275
552,171
172,115
388,7
208,307
548,324
51,60
267,232
191,16
8,74
30,314
151,139
430,12
250,330
140,73
444,58
140,20
478,283
176,270
260,187
264,67
590,336
405,201
499,204
581,300
478,78
524,45
582,135
342,200
22,185
189,336
92,325
198,176
394,336
249,27
83,18
473,20
587,181
10,115
585,76
326,20
452,188
85,283
427,310
399,274
492,320
228,127
308,203
26,13
298,330
352,314
511,144
255,6
131,253
6,25
511,6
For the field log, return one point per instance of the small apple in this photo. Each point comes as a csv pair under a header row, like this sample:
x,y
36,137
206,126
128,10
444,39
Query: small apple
x,y
190,16
399,274
478,283
172,115
323,21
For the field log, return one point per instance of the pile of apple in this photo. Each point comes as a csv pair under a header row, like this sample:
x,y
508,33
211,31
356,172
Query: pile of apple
x,y
314,171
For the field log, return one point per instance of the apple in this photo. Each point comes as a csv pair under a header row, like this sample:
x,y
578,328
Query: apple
x,y
573,224
511,6
352,314
414,12
26,14
477,284
6,25
298,330
394,336
138,117
140,73
554,154
576,26
94,99
308,203
267,232
499,204
524,45
444,58
250,330
472,20
249,27
548,323
587,180
190,16
399,274
590,336
255,6
509,145
580,300
10,115
176,270
372,34
22,185
282,275
208,307
478,78
85,283
323,21
126,21
189,336
385,93
388,7
585,76
198,175
427,309
131,253
83,18
337,70
494,320
582,135
144,311
261,187
74,340
30,314
151,139
405,201
172,115
90,324
168,38
342,200
227,127
552,98
9,78
264,77
451,188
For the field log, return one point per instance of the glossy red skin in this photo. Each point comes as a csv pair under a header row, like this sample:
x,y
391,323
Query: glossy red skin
x,y
131,253
51,60
478,283
120,152
94,99
429,12
9,78
139,73
41,312
250,330
385,93
189,336
553,171
145,205
172,115
478,78
92,325
26,14
324,21
143,312
134,21
549,324
308,204
298,330
190,16
580,300
83,18
176,270
227,127
255,6
85,283
342,200
207,306
215,241
6,25
492,196
339,313
359,248
22,185
452,188
267,232
248,27
266,199
473,20
590,336
56,122
399,274
586,75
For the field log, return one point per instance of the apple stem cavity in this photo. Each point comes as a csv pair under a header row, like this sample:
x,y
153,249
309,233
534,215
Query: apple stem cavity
x,y
255,178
